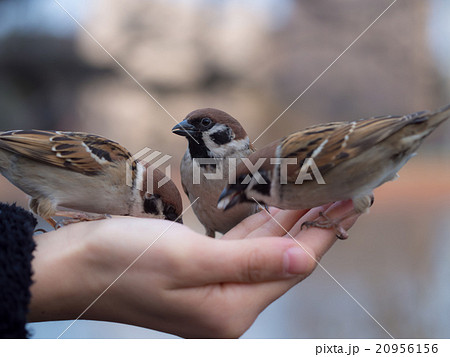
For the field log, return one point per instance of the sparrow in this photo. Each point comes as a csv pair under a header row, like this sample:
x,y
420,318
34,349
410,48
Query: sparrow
x,y
216,136
92,176
331,162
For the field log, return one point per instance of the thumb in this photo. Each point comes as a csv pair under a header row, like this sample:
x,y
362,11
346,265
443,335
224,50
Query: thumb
x,y
256,260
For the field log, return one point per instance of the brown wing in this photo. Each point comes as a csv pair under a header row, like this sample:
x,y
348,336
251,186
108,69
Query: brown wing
x,y
333,143
80,152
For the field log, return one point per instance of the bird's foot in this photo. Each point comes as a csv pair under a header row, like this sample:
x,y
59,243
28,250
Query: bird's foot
x,y
360,205
75,217
52,222
39,230
328,223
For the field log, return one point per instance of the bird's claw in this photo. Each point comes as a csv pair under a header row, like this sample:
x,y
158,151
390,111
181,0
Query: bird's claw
x,y
80,217
326,222
39,230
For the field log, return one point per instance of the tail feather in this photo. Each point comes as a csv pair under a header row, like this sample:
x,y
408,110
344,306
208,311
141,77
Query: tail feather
x,y
439,116
422,124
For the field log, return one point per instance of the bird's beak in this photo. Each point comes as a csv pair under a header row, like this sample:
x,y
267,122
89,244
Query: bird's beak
x,y
229,198
184,129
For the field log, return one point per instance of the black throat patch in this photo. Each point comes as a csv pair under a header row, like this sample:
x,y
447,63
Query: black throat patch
x,y
198,149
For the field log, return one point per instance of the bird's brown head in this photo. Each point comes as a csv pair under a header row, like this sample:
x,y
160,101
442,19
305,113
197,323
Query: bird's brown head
x,y
212,133
165,199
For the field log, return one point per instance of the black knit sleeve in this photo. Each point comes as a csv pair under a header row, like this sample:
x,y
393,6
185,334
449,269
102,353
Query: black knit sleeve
x,y
16,253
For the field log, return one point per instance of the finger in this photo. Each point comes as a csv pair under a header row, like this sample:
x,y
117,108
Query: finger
x,y
318,240
311,215
248,225
278,223
284,222
250,261
266,224
315,242
262,294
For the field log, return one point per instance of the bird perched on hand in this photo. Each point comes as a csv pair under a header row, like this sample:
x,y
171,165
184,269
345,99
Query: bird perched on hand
x,y
83,172
213,134
352,158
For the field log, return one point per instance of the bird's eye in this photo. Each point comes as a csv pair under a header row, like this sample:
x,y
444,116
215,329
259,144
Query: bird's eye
x,y
206,121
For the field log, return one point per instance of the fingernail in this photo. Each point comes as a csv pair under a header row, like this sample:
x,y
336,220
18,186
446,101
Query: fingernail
x,y
294,261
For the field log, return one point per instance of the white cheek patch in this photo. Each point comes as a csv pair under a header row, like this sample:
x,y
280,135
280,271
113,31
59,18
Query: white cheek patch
x,y
226,149
229,149
218,127
209,143
207,136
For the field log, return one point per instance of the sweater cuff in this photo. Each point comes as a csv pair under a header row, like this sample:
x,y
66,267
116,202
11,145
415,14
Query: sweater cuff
x,y
16,252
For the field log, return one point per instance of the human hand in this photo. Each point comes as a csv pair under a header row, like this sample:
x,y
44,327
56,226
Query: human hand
x,y
180,282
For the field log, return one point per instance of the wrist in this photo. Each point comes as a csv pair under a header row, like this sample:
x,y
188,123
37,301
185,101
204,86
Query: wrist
x,y
62,275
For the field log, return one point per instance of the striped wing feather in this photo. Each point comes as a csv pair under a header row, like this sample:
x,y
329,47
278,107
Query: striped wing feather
x,y
84,153
342,141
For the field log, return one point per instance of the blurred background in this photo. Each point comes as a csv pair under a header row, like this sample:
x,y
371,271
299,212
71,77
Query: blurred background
x,y
252,59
